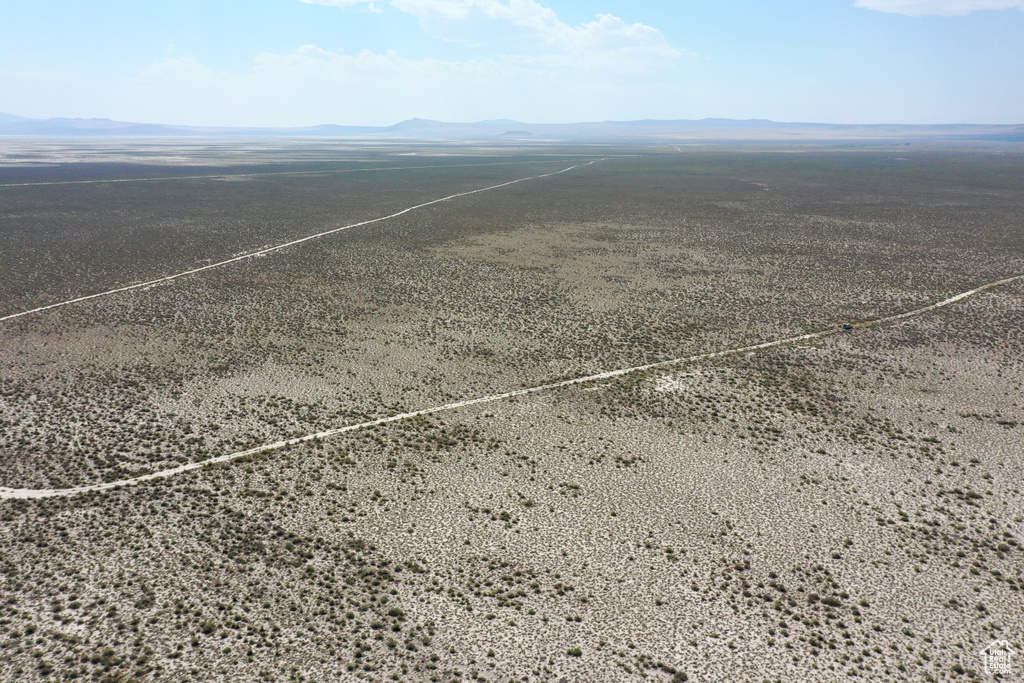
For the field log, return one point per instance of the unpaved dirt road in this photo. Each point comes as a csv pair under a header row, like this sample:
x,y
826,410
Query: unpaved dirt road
x,y
49,493
285,245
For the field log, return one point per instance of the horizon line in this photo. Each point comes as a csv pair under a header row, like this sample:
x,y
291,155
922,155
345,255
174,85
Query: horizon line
x,y
494,121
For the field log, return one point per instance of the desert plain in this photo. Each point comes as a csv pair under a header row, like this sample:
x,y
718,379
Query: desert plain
x,y
842,507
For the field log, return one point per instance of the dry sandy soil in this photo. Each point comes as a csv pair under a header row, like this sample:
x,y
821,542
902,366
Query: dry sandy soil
x,y
849,507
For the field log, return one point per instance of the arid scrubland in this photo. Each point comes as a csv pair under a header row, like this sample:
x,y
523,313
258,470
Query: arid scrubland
x,y
846,508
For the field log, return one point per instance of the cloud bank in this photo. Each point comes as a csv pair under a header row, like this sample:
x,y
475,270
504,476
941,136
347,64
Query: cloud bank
x,y
312,85
537,67
335,3
944,8
606,32
527,25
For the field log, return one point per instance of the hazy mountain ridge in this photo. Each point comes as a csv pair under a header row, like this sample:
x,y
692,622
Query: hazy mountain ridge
x,y
10,118
684,129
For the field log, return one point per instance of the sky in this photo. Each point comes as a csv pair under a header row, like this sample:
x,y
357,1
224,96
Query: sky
x,y
357,62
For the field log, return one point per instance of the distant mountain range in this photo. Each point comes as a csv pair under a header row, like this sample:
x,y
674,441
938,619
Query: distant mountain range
x,y
505,130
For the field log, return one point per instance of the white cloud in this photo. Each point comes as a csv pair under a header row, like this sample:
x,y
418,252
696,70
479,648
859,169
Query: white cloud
x,y
336,3
371,5
945,8
449,9
532,26
606,32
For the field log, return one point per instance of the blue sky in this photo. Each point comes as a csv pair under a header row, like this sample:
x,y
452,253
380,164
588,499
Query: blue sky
x,y
304,62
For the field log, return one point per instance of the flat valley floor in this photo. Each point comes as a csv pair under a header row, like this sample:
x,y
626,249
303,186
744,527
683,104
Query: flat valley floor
x,y
845,507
